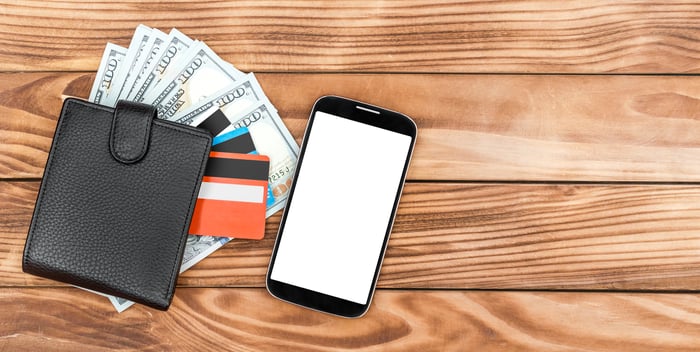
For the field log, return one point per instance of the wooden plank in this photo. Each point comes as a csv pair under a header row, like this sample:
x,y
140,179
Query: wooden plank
x,y
471,127
476,236
29,106
216,319
389,36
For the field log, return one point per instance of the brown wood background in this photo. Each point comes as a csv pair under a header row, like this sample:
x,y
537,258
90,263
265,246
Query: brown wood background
x,y
552,201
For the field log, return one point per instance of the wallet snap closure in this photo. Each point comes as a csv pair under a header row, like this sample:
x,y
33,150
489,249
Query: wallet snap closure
x,y
131,131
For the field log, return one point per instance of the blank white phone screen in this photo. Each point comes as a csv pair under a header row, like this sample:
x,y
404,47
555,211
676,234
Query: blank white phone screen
x,y
341,208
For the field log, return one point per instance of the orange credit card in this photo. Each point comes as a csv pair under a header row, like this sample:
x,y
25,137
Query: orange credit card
x,y
232,198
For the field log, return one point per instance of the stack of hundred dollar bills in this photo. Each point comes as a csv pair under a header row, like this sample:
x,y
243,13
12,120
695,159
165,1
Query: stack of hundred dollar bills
x,y
186,81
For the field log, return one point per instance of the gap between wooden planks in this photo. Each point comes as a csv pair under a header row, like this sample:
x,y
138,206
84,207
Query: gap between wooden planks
x,y
216,319
387,36
471,127
485,236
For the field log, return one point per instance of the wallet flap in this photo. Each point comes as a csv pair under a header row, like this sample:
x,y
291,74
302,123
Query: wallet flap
x,y
131,131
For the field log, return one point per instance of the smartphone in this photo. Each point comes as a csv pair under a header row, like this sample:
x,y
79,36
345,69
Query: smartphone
x,y
341,206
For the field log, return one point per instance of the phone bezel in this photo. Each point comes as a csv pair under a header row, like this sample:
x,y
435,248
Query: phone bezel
x,y
360,112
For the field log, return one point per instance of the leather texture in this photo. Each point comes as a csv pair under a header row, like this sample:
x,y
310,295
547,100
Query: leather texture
x,y
131,130
116,226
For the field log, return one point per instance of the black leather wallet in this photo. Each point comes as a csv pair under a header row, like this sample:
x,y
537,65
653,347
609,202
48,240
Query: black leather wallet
x,y
116,201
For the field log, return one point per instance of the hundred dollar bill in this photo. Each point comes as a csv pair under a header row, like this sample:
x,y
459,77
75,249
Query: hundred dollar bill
x,y
137,45
162,65
201,74
112,59
196,249
153,47
236,97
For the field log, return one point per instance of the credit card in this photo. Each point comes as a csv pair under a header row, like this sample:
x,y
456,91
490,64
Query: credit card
x,y
215,123
232,197
238,141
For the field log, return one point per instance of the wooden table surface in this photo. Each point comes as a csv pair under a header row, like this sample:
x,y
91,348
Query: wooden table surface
x,y
552,203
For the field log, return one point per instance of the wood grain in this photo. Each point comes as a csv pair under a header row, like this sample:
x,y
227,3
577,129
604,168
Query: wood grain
x,y
476,236
520,105
471,127
388,36
211,319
